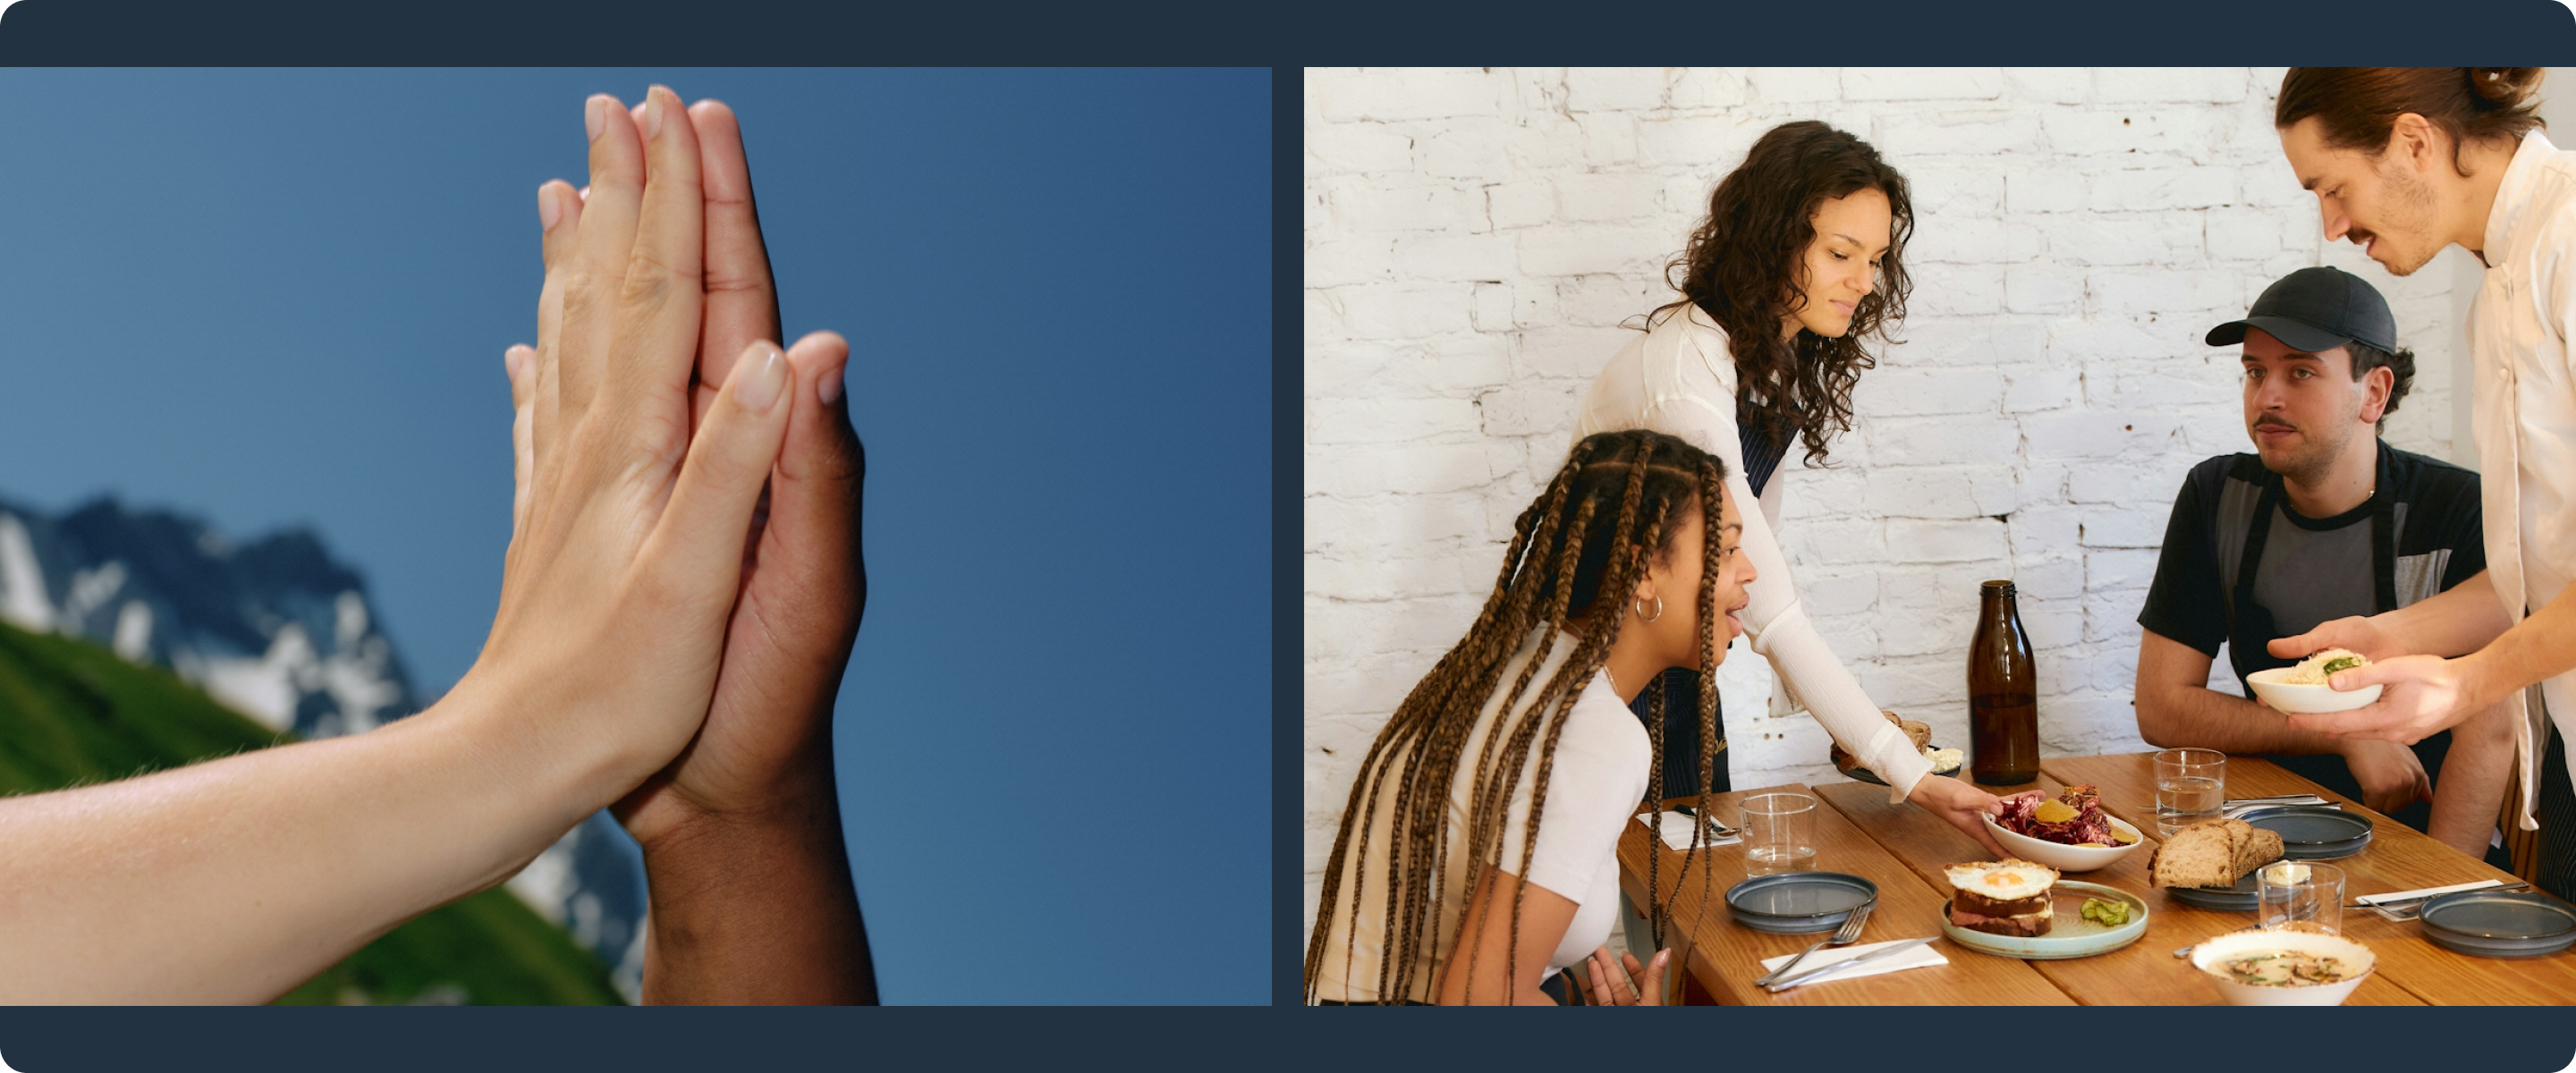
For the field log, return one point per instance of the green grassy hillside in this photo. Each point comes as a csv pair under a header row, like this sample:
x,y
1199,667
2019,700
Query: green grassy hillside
x,y
72,713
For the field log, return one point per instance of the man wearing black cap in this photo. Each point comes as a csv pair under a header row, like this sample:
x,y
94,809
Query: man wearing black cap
x,y
2324,521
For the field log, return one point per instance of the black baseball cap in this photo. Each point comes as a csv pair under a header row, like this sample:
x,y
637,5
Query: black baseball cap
x,y
2316,309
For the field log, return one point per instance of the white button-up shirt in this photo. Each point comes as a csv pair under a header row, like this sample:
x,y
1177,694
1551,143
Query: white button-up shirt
x,y
2525,409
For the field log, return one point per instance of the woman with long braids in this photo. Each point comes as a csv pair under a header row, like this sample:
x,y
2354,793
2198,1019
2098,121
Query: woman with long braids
x,y
1795,264
1476,854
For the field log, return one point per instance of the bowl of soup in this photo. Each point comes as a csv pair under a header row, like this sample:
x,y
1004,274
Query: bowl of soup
x,y
2283,967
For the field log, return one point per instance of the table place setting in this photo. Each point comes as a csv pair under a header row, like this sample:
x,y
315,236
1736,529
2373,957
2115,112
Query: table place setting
x,y
1676,829
1866,959
2404,904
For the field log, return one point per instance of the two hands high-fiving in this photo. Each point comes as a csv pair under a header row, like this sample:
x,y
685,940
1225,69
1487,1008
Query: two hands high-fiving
x,y
744,816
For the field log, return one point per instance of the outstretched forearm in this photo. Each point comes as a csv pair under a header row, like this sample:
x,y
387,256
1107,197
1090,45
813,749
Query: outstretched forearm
x,y
758,909
2468,794
236,879
2176,707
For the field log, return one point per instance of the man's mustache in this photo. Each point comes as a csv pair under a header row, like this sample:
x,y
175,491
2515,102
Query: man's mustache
x,y
2269,421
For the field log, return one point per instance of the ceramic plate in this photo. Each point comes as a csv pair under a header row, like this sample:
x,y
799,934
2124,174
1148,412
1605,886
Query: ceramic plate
x,y
2500,923
2237,899
2069,935
1798,901
2308,825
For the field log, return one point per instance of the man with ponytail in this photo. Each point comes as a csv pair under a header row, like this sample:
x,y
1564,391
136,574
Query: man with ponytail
x,y
2405,161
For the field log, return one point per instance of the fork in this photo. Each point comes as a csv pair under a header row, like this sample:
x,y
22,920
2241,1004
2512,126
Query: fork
x,y
1842,937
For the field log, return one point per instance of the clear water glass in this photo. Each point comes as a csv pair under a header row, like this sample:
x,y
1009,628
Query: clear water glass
x,y
1779,833
2300,896
2191,784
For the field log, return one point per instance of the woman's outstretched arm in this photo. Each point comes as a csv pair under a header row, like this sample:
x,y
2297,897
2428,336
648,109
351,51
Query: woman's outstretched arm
x,y
234,880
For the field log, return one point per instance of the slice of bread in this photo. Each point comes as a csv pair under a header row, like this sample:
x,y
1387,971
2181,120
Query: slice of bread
x,y
2212,853
2200,855
2007,897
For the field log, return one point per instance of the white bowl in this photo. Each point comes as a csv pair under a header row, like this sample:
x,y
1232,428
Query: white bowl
x,y
2289,697
2063,857
2209,952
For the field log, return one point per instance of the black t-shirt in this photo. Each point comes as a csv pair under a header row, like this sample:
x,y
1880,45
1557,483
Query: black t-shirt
x,y
2418,535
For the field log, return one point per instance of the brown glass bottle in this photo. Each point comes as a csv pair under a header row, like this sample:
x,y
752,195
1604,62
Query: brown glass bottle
x,y
2003,692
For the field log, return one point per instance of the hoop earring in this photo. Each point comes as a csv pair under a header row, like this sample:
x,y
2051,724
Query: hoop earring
x,y
1642,616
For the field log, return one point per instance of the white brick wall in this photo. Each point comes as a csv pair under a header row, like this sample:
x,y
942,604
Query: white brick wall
x,y
1473,239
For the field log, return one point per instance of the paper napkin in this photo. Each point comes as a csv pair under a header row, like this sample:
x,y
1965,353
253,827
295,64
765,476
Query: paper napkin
x,y
1676,830
1916,958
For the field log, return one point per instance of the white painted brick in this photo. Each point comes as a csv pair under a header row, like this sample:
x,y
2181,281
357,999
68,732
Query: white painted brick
x,y
1980,342
1596,89
1612,197
1388,420
1357,147
1953,194
2045,190
1912,540
1778,85
1934,441
2121,569
2140,526
1918,392
1465,149
1697,140
1535,408
1974,241
1953,492
1567,353
2129,238
1493,308
2187,134
1454,257
2162,188
2043,289
1828,594
1338,262
2244,234
1609,138
1922,83
1706,87
1366,206
1944,290
2132,85
1606,301
1405,310
1577,250
2052,85
1957,134
1398,93
1527,203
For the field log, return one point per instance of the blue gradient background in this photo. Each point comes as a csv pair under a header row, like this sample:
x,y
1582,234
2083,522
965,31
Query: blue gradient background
x,y
280,298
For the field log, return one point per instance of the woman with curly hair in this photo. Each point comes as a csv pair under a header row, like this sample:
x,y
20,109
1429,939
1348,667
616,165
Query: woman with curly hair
x,y
1477,851
1796,263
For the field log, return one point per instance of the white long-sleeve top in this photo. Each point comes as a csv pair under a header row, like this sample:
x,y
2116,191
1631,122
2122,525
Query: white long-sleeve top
x,y
1679,379
2524,403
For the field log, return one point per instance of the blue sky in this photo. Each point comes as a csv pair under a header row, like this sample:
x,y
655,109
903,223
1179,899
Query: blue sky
x,y
280,298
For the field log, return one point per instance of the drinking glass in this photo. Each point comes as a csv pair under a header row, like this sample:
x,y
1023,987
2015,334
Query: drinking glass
x,y
1779,833
2299,895
2191,784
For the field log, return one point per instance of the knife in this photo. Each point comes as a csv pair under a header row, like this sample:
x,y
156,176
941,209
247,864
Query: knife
x,y
1846,963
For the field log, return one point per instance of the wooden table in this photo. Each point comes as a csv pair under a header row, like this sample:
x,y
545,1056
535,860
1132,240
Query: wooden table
x,y
1904,850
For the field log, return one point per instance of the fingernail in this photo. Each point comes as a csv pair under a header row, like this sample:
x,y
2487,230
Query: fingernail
x,y
830,389
764,378
652,112
511,359
549,210
595,115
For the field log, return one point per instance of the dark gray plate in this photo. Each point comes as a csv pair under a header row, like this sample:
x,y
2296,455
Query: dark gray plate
x,y
1798,901
2500,924
2237,899
2309,825
2324,851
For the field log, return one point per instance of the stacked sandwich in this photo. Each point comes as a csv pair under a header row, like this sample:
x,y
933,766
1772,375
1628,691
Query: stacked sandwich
x,y
2006,897
2212,853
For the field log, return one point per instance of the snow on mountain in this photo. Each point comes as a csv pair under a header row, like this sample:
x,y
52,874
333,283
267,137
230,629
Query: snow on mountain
x,y
279,631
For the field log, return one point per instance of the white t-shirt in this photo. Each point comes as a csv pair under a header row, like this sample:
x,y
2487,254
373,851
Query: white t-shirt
x,y
1679,379
1597,786
2524,403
